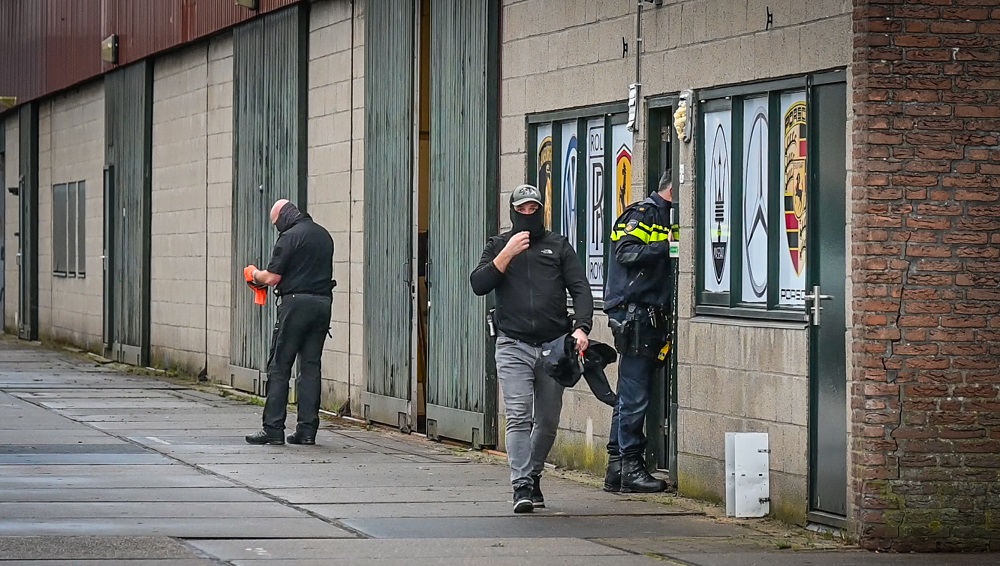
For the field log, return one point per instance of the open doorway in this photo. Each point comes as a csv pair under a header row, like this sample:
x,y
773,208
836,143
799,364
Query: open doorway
x,y
422,209
661,418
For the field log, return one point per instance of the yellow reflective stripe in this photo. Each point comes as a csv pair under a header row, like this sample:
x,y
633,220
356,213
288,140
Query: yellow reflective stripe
x,y
639,233
656,232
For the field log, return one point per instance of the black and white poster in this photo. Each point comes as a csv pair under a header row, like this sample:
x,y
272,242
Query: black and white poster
x,y
595,206
716,147
755,197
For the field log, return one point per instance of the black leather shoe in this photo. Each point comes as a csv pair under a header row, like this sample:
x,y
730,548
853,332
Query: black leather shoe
x,y
613,475
635,478
299,438
264,437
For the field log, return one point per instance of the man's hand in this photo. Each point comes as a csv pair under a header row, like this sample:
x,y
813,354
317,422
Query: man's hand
x,y
582,341
248,274
515,245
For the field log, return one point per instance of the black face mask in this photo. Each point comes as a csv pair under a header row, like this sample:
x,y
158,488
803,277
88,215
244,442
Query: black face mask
x,y
533,224
288,217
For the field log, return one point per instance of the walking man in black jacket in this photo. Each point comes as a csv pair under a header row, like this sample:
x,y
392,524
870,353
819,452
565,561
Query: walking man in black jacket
x,y
530,269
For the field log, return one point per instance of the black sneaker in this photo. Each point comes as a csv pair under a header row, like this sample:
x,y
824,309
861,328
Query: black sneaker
x,y
522,500
264,437
537,499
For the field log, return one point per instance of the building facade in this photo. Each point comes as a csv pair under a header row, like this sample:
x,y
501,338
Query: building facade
x,y
829,154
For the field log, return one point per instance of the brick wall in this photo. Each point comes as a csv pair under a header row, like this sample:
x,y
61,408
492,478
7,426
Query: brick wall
x,y
925,396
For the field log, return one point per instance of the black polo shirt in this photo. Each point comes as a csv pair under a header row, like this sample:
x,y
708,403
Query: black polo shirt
x,y
302,256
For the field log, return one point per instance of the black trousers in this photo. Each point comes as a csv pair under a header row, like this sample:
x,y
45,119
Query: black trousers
x,y
301,330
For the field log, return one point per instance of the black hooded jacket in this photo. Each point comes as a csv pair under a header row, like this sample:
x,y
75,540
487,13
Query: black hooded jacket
x,y
303,255
531,293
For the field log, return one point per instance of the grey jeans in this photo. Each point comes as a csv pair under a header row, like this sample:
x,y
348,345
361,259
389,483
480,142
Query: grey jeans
x,y
532,403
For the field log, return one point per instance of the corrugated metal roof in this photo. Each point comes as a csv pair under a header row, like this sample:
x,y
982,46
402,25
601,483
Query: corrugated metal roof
x,y
48,45
71,42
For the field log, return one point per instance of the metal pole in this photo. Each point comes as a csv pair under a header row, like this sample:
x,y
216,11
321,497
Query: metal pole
x,y
638,55
638,37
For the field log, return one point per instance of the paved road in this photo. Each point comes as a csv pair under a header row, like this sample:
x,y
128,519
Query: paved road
x,y
101,467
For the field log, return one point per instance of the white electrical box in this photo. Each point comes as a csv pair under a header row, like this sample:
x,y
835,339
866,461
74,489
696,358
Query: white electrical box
x,y
748,484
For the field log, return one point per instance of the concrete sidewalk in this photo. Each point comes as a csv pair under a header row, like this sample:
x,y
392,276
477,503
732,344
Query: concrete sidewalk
x,y
102,467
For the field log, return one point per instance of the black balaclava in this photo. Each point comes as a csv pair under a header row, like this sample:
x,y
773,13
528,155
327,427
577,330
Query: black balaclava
x,y
289,216
533,224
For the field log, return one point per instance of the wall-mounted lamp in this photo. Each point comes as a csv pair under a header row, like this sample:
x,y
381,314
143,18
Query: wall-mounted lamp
x,y
7,102
248,4
109,49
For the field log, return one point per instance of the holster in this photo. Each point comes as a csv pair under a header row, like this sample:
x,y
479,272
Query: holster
x,y
622,333
491,327
648,331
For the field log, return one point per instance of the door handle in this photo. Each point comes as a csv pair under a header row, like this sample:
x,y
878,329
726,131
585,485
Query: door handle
x,y
815,308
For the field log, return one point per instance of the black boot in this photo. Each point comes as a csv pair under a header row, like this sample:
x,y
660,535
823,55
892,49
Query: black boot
x,y
265,437
613,475
635,478
299,437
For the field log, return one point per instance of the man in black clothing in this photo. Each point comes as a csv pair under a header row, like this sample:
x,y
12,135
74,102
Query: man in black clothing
x,y
530,269
301,270
637,299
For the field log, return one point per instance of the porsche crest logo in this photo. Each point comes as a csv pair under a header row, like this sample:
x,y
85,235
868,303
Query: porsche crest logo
x,y
545,176
623,179
795,184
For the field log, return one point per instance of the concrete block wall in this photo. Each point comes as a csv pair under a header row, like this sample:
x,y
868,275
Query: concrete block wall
x,y
736,376
179,229
750,362
568,54
45,135
9,128
73,306
219,155
336,165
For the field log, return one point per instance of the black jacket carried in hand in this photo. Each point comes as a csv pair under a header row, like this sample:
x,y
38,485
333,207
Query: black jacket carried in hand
x,y
531,293
561,362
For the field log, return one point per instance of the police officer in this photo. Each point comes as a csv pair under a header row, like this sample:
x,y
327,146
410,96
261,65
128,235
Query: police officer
x,y
301,270
637,299
530,269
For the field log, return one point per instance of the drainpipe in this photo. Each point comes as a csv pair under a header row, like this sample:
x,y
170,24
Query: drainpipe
x,y
208,110
638,39
350,232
